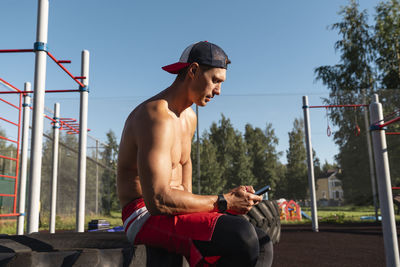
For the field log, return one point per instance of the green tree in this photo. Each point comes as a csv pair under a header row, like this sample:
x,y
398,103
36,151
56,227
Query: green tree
x,y
261,149
296,168
109,197
211,171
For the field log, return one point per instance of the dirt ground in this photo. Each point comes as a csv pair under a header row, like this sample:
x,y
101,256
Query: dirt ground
x,y
334,245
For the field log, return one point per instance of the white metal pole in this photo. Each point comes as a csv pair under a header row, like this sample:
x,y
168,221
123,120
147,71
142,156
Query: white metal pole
x,y
56,135
370,156
97,177
310,163
37,123
80,209
198,149
24,160
384,184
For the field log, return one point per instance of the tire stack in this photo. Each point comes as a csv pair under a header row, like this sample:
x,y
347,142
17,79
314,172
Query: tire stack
x,y
266,216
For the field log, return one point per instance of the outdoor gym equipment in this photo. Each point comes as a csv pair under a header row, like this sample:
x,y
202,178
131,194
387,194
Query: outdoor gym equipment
x,y
41,52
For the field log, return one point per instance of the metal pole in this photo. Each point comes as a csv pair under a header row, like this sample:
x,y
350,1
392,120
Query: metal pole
x,y
24,160
370,156
384,185
97,178
198,149
37,123
310,163
80,209
56,134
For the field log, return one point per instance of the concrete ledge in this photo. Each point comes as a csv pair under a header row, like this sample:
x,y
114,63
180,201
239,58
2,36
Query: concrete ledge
x,y
81,249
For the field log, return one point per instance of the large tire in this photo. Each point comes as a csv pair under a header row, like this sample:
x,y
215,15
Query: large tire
x,y
266,216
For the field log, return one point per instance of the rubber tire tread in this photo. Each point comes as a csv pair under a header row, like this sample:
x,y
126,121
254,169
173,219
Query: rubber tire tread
x,y
266,216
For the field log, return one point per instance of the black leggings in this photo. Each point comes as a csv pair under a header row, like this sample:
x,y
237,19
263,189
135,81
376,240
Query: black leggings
x,y
238,243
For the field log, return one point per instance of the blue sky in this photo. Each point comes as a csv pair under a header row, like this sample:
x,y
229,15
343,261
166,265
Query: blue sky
x,y
274,47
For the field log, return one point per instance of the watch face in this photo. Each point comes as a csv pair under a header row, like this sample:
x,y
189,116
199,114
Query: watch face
x,y
222,204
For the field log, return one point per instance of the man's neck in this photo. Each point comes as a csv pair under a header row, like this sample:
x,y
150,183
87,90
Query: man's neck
x,y
177,97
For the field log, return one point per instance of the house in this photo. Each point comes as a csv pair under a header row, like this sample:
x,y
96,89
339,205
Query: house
x,y
329,191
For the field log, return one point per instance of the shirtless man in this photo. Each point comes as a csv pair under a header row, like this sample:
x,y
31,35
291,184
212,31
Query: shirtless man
x,y
154,180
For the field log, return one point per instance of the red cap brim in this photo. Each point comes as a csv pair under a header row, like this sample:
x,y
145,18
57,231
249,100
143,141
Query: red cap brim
x,y
176,67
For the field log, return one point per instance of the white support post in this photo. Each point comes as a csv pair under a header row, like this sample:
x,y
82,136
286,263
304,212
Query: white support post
x,y
198,149
310,163
37,123
384,184
97,177
80,209
370,156
24,160
56,135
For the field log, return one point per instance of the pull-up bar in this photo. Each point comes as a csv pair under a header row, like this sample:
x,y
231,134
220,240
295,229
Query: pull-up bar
x,y
58,62
338,106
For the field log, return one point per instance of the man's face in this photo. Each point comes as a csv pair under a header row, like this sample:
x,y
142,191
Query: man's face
x,y
206,84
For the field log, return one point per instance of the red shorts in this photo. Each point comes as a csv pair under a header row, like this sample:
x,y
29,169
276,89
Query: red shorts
x,y
171,232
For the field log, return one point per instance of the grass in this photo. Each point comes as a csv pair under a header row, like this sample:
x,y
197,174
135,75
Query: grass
x,y
342,214
63,222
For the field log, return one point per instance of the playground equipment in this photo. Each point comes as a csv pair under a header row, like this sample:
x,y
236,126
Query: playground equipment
x,y
290,210
382,171
41,53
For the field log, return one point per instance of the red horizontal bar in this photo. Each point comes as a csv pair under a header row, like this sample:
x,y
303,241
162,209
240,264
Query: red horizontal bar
x,y
1,118
5,101
389,122
392,133
9,84
64,61
5,157
8,176
61,66
47,91
15,50
80,77
7,195
4,138
340,106
10,215
395,188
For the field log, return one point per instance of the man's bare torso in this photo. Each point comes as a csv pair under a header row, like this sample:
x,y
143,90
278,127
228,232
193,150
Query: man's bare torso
x,y
128,181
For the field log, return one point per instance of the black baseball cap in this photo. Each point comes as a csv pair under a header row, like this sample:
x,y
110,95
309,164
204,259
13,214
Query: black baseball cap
x,y
204,53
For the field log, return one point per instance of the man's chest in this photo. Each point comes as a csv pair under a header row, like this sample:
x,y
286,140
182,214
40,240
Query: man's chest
x,y
180,152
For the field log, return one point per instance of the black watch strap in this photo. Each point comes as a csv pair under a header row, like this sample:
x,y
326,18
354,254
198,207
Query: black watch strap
x,y
221,203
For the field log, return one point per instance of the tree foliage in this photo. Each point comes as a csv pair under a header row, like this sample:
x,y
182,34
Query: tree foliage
x,y
369,61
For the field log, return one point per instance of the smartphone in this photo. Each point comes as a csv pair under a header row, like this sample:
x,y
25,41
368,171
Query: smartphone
x,y
263,190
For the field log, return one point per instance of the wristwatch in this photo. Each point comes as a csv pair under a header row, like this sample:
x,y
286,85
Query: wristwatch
x,y
221,203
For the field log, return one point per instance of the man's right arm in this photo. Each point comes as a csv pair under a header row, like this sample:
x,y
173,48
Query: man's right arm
x,y
155,142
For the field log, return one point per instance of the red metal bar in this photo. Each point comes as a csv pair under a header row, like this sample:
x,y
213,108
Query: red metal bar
x,y
392,133
341,106
1,118
5,101
4,138
64,61
5,157
9,84
8,176
61,66
15,50
389,122
47,91
395,188
80,77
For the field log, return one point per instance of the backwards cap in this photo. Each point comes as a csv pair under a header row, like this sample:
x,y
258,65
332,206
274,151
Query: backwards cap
x,y
204,53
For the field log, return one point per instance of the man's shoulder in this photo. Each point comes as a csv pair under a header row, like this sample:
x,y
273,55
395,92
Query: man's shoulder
x,y
150,114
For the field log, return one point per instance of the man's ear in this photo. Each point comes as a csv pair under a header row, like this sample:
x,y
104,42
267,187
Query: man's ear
x,y
193,68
